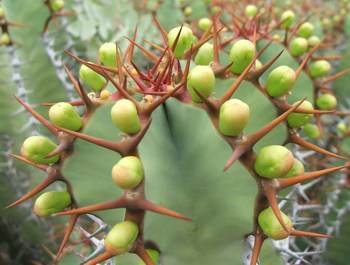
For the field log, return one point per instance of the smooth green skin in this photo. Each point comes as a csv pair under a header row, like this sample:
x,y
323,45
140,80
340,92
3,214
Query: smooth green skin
x,y
125,117
154,254
202,78
205,54
342,128
184,42
313,41
312,131
319,68
51,202
5,39
92,79
258,65
280,81
296,120
108,54
128,172
251,10
326,102
188,11
56,5
306,30
288,18
296,170
271,226
36,148
298,46
241,54
233,117
121,237
273,161
204,23
66,116
2,13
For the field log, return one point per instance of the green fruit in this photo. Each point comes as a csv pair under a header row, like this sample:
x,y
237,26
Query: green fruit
x,y
52,202
128,172
202,78
273,161
326,23
154,254
66,116
215,10
312,131
280,81
242,53
2,13
288,18
56,5
320,68
92,79
36,148
205,54
233,117
297,119
342,128
251,10
121,237
188,11
296,170
271,226
184,42
313,41
258,65
298,46
306,30
108,54
326,102
204,23
125,117
5,39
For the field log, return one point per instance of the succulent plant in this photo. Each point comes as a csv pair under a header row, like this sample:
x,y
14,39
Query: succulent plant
x,y
241,54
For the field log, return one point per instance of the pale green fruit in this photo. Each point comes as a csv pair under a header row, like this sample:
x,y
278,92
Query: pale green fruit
x,y
258,65
202,78
154,254
5,39
312,131
188,11
320,68
298,46
128,172
251,10
36,148
296,119
233,117
241,54
184,42
2,13
326,102
342,128
296,170
326,23
121,237
56,5
288,18
108,54
280,81
313,41
273,161
204,23
271,226
52,202
205,54
125,117
66,116
306,30
92,79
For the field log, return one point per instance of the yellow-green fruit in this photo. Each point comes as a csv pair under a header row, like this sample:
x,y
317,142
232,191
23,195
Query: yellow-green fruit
x,y
184,42
201,78
215,10
296,170
66,116
233,117
121,237
326,23
128,172
251,10
313,41
280,81
188,11
271,226
108,54
298,46
36,148
273,161
312,131
204,23
320,68
258,65
326,102
241,54
288,18
5,39
52,202
125,117
298,119
92,79
56,5
205,54
2,13
154,254
342,128
306,30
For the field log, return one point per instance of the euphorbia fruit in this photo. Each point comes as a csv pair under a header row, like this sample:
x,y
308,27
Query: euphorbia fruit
x,y
342,128
312,131
108,54
273,161
280,81
233,117
125,117
56,5
201,78
188,11
154,254
204,23
5,39
128,172
258,65
298,46
2,13
241,55
298,119
121,237
287,19
326,102
66,116
313,41
184,41
271,226
297,169
306,30
205,54
251,10
94,80
36,148
52,202
320,68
